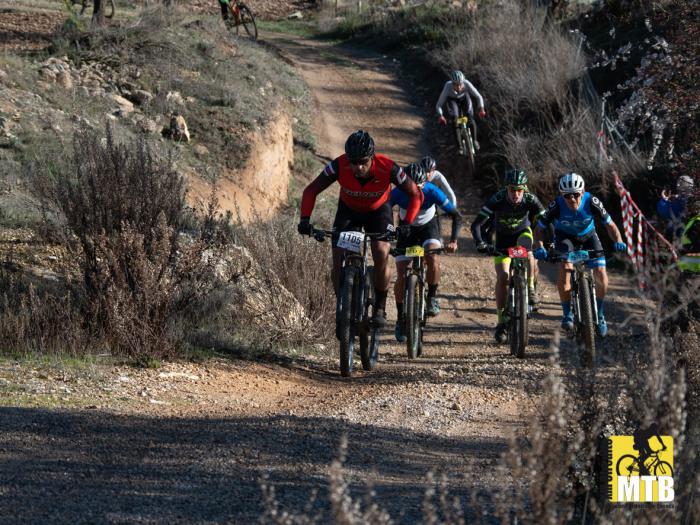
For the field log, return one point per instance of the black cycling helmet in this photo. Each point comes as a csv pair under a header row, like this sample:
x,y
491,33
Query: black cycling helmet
x,y
428,163
516,177
359,146
416,173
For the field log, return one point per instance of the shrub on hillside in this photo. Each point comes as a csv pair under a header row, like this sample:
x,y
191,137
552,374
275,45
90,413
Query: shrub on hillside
x,y
301,267
123,208
530,74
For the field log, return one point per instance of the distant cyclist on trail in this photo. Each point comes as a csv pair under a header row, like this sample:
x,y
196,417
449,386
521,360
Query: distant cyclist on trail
x,y
572,213
365,179
425,232
429,164
513,209
456,92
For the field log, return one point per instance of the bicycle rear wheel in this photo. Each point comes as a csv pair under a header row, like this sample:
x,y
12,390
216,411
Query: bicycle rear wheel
x,y
586,340
248,21
412,302
346,328
627,465
518,322
369,338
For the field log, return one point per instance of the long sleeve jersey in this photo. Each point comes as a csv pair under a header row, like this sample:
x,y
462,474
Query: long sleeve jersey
x,y
448,92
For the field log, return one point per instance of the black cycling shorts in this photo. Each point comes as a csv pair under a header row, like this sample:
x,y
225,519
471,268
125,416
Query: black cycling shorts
x,y
375,221
509,240
421,235
564,242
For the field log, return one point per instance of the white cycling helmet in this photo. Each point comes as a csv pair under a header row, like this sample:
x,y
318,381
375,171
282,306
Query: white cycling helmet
x,y
570,183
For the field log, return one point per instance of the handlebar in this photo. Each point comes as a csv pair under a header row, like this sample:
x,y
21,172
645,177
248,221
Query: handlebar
x,y
555,256
320,235
429,251
491,251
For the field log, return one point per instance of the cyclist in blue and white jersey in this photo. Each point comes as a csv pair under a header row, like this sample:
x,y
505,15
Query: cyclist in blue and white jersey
x,y
425,231
429,164
572,214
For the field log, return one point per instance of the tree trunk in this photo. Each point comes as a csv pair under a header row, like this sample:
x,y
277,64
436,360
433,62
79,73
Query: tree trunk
x,y
98,13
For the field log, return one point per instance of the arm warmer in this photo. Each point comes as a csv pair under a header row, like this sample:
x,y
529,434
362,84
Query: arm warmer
x,y
308,199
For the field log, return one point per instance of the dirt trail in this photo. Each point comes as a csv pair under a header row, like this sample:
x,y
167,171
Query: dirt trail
x,y
189,443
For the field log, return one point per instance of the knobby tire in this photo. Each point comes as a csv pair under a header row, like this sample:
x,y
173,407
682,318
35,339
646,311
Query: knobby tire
x,y
412,316
369,336
346,326
248,21
588,324
469,147
518,322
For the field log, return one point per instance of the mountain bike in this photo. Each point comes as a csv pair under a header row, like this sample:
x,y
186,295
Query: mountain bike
x,y
355,298
517,309
415,297
109,6
243,16
630,465
465,141
583,304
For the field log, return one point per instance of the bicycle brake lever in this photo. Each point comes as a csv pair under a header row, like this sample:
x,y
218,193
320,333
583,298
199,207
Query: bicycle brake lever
x,y
320,236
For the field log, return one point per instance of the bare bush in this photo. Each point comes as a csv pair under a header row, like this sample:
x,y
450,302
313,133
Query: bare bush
x,y
143,277
39,322
289,262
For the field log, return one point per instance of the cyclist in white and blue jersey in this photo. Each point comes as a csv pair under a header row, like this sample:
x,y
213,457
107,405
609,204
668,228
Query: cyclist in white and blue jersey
x,y
573,215
425,231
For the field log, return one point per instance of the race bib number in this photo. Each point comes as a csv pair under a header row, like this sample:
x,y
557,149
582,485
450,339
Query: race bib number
x,y
517,252
415,251
578,256
462,120
351,241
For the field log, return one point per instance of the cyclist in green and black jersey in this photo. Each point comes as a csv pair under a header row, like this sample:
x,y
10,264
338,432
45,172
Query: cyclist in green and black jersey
x,y
513,209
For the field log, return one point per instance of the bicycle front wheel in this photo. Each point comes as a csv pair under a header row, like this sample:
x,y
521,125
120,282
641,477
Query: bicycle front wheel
x,y
369,338
248,21
345,325
663,468
412,302
587,328
469,151
518,321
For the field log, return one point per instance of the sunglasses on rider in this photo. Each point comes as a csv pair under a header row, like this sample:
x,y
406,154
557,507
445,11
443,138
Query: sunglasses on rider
x,y
572,196
517,188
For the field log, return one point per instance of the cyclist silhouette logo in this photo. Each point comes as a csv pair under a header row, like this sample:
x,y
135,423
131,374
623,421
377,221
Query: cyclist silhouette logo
x,y
641,466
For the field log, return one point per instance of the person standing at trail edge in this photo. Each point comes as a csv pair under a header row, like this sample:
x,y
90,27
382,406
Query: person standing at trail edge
x,y
365,179
456,92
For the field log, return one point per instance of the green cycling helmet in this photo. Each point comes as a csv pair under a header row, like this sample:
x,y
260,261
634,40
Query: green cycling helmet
x,y
516,177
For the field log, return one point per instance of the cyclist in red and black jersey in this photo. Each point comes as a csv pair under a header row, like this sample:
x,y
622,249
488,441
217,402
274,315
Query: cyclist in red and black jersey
x,y
365,179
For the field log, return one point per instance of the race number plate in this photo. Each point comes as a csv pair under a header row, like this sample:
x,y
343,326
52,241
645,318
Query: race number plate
x,y
462,120
351,241
517,252
415,251
578,256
